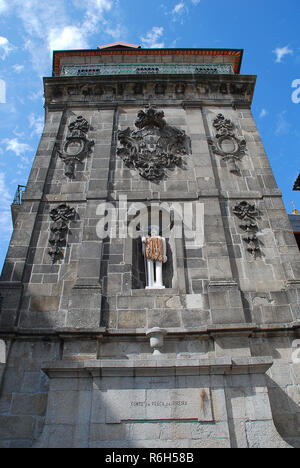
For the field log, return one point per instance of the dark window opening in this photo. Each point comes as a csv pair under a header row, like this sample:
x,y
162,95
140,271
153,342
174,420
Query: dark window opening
x,y
297,235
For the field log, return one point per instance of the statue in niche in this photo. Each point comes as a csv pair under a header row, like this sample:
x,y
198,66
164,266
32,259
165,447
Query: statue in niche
x,y
155,254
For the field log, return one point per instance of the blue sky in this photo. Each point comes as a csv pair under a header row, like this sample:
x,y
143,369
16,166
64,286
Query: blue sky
x,y
268,31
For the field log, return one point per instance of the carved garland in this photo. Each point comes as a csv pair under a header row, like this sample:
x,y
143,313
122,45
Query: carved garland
x,y
226,144
61,216
77,146
154,147
248,214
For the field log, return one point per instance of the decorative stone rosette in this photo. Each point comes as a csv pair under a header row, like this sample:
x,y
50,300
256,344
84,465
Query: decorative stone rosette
x,y
76,147
59,229
154,147
226,144
249,215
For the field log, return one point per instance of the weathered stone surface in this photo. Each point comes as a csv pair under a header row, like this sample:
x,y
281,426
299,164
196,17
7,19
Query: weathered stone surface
x,y
226,305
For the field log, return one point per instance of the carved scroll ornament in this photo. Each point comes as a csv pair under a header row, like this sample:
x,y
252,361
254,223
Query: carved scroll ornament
x,y
77,147
249,215
154,147
60,216
226,144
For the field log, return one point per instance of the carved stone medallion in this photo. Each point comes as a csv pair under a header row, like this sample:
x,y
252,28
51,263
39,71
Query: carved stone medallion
x,y
154,147
76,147
226,144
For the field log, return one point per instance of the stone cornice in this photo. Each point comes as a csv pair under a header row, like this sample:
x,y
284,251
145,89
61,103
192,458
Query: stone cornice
x,y
186,90
160,366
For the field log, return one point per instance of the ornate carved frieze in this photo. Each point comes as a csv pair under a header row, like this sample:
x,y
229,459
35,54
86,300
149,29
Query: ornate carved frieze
x,y
226,144
249,214
154,147
61,215
160,89
77,146
179,90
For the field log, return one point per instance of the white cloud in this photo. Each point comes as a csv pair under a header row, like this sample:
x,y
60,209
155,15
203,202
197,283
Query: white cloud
x,y
16,147
18,68
117,32
5,47
178,8
37,124
195,2
282,126
2,92
71,37
47,29
36,95
3,6
5,213
95,10
263,113
280,52
152,37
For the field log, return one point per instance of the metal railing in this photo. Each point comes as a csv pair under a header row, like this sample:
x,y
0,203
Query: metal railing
x,y
147,69
18,196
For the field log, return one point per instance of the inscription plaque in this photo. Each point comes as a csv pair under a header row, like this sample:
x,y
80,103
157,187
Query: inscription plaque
x,y
158,404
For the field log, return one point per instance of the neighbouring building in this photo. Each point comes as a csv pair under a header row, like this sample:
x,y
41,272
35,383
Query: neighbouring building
x,y
150,293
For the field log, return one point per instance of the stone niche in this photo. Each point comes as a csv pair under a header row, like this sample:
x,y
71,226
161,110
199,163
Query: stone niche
x,y
159,402
153,216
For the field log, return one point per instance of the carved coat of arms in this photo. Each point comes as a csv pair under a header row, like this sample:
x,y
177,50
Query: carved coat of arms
x,y
154,147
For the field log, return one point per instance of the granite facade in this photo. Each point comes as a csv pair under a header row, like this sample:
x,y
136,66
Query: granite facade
x,y
76,327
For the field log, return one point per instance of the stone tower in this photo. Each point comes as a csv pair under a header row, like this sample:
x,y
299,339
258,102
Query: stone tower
x,y
150,294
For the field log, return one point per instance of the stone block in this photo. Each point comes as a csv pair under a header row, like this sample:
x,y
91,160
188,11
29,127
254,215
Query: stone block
x,y
137,303
68,407
132,319
5,403
263,434
232,346
83,317
29,404
231,315
194,318
16,427
57,436
163,318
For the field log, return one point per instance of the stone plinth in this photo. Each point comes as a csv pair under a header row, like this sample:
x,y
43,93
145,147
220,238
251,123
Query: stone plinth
x,y
186,403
